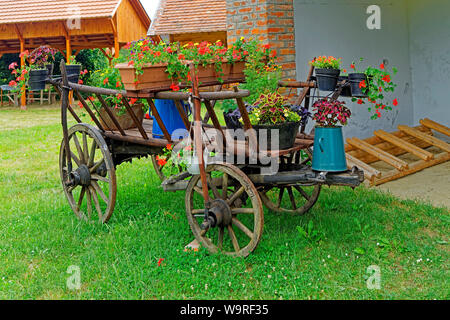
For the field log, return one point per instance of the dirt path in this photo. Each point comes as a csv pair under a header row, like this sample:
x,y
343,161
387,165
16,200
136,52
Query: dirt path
x,y
430,185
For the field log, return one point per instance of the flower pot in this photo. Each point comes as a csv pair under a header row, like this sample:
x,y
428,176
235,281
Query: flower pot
x,y
355,79
231,120
327,79
124,119
73,72
287,133
346,91
155,77
329,151
37,79
50,67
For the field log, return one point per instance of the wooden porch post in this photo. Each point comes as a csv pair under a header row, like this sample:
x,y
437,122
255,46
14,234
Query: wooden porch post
x,y
68,53
23,98
116,37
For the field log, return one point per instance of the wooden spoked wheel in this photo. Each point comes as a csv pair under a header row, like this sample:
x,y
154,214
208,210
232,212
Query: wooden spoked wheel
x,y
236,205
94,193
295,198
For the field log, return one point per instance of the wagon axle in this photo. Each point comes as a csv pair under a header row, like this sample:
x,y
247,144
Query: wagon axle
x,y
218,216
80,176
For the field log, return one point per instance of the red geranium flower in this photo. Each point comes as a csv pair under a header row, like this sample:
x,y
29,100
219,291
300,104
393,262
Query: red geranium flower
x,y
387,78
160,261
362,84
133,101
395,102
13,84
175,87
352,66
106,81
360,101
382,66
169,147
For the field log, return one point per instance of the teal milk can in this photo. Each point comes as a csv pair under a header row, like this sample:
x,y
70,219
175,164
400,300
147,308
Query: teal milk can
x,y
329,151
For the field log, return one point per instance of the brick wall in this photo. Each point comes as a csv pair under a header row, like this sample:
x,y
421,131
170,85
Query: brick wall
x,y
270,21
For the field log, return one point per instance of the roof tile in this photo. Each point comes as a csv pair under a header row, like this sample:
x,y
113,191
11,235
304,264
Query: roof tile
x,y
188,16
17,11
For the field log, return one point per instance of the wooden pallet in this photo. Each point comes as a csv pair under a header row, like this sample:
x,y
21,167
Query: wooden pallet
x,y
418,142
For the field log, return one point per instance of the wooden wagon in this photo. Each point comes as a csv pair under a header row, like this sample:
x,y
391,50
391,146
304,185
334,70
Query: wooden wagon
x,y
224,203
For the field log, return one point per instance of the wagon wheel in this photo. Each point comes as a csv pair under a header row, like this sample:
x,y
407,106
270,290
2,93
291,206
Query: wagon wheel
x,y
236,206
94,173
294,199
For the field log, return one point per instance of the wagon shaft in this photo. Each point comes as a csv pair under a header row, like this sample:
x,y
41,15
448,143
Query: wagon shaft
x,y
351,178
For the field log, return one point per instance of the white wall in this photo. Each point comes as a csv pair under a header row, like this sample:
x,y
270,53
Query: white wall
x,y
338,28
429,30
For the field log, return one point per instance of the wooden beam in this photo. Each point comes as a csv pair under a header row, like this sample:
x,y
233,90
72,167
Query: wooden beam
x,y
422,154
422,136
369,171
380,154
113,22
413,168
435,126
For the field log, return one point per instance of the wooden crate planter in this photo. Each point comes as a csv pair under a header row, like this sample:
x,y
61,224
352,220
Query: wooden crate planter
x,y
125,120
155,77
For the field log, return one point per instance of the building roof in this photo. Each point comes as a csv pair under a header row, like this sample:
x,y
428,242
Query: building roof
x,y
20,11
189,16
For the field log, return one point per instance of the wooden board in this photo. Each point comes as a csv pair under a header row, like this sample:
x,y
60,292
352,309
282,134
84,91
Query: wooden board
x,y
387,147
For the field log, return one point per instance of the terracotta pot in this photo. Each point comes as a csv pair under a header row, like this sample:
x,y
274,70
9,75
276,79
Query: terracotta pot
x,y
125,120
156,78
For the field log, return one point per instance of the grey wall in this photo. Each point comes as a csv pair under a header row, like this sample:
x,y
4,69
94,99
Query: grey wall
x,y
429,23
338,28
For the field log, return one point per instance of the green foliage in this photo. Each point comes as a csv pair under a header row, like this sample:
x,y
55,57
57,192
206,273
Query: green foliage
x,y
272,108
309,234
325,62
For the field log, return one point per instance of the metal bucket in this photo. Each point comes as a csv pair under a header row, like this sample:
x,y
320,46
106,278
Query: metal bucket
x,y
329,151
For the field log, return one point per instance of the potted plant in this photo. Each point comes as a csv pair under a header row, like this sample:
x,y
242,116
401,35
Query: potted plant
x,y
179,158
109,78
158,66
73,70
329,151
327,72
372,85
272,112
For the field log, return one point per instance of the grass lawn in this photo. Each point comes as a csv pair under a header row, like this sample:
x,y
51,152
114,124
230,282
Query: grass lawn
x,y
40,238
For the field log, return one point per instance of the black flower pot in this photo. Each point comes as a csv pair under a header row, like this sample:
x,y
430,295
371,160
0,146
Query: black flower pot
x,y
346,91
232,121
327,79
50,68
287,133
355,79
73,72
37,79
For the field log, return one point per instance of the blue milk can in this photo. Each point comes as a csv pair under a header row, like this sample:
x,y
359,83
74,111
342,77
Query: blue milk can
x,y
170,117
329,151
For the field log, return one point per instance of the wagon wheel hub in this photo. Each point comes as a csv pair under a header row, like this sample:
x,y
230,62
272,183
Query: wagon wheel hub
x,y
221,213
81,176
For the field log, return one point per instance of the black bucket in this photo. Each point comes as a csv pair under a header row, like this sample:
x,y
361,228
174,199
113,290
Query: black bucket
x,y
346,91
327,79
50,68
287,133
73,72
355,79
37,79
